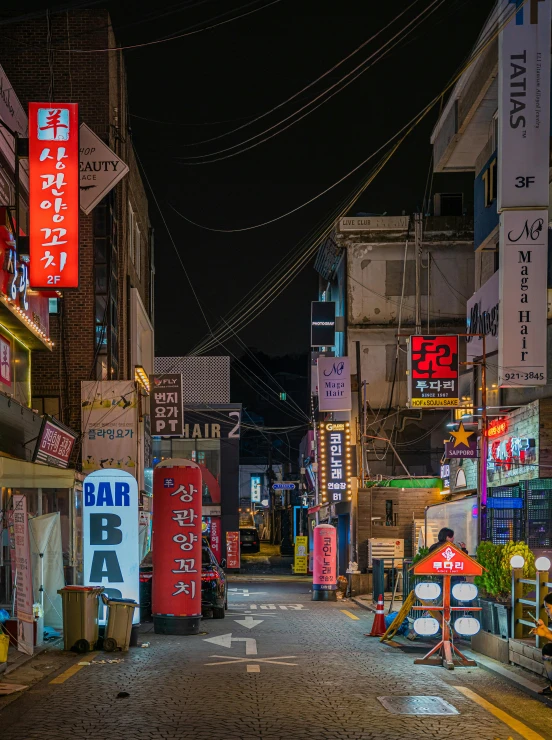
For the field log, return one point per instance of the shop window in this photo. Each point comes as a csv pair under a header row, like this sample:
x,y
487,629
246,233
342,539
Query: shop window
x,y
53,305
47,405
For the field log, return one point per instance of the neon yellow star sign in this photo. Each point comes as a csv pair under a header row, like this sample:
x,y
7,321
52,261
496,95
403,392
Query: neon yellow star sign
x,y
461,437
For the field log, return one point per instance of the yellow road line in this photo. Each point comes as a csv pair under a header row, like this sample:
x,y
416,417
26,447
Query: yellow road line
x,y
62,678
513,723
349,614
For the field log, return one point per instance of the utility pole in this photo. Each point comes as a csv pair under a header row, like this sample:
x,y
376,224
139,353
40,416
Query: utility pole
x,y
418,263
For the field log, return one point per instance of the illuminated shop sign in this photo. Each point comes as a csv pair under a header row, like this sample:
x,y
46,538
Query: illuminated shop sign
x,y
335,461
513,455
433,371
322,324
54,195
497,427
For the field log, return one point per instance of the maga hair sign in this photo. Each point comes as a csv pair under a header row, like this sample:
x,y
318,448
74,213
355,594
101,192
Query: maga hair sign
x,y
110,552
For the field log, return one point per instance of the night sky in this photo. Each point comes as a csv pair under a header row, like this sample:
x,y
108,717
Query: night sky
x,y
243,69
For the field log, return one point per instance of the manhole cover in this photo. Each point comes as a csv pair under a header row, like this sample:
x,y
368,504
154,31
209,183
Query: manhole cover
x,y
417,705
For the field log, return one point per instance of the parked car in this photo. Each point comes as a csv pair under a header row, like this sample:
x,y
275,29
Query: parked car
x,y
213,584
249,540
214,589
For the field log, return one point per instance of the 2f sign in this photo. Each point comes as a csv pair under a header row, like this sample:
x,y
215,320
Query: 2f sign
x,y
111,552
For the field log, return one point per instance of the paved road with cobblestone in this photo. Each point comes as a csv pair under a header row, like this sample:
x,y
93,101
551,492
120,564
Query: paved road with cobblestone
x,y
299,669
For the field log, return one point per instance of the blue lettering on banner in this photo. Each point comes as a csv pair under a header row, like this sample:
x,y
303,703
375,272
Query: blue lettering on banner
x,y
105,497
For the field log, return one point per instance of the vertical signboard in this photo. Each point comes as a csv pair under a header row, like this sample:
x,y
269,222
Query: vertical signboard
x,y
24,576
167,413
524,105
176,547
433,371
301,560
54,195
100,169
256,487
216,531
523,298
335,461
324,575
111,555
334,384
232,550
322,324
109,425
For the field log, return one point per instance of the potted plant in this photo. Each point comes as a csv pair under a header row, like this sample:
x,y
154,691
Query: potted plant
x,y
495,584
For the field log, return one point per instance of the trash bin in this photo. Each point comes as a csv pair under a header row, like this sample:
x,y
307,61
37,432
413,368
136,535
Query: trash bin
x,y
80,617
119,623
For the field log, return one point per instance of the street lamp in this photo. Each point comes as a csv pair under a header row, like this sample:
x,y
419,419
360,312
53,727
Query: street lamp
x,y
542,564
518,561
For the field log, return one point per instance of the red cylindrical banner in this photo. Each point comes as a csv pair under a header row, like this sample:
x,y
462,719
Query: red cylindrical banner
x,y
324,577
176,546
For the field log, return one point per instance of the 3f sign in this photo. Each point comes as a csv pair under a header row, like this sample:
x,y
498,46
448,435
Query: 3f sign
x,y
111,556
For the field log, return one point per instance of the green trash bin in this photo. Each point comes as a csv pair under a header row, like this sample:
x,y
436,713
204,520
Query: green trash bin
x,y
119,623
80,617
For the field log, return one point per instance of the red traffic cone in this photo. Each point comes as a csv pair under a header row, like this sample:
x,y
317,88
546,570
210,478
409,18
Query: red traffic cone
x,y
378,627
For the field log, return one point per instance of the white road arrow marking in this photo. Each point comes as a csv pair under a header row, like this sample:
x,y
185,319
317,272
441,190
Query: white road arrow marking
x,y
249,622
227,640
275,661
246,592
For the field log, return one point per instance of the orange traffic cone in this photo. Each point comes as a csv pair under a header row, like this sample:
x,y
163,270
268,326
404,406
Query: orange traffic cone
x,y
378,627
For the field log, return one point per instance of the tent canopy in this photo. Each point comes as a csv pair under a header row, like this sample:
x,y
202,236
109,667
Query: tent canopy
x,y
21,474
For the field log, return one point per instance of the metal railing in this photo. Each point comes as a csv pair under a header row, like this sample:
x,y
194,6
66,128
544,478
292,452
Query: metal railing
x,y
521,600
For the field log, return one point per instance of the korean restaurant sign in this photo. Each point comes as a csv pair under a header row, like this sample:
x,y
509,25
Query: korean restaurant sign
x,y
100,169
523,297
524,105
167,412
109,425
433,371
448,560
55,444
177,539
334,384
110,532
54,195
14,283
513,447
23,575
335,461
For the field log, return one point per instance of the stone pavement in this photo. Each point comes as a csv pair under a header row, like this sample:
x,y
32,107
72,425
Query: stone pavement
x,y
279,666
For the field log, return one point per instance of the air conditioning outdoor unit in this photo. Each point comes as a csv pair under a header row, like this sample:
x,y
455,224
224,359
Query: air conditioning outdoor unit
x,y
388,549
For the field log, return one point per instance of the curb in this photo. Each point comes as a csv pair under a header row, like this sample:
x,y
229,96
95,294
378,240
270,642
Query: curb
x,y
364,604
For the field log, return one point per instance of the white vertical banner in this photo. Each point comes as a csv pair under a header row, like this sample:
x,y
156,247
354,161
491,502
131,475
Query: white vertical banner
x,y
524,105
523,298
334,383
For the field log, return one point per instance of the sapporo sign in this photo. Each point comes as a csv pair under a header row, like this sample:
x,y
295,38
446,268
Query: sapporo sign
x,y
433,371
54,195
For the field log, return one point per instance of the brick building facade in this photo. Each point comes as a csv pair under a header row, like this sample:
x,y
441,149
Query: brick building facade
x,y
92,327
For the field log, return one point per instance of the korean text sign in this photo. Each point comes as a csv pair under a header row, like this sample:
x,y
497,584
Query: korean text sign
x,y
433,371
335,461
54,195
167,414
233,549
448,560
324,539
176,541
24,603
54,445
111,555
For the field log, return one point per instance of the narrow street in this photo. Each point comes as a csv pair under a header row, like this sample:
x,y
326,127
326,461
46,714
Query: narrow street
x,y
278,666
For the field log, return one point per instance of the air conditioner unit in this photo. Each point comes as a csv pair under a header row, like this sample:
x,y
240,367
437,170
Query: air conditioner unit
x,y
390,550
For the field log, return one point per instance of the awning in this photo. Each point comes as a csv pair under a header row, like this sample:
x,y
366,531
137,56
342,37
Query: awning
x,y
20,474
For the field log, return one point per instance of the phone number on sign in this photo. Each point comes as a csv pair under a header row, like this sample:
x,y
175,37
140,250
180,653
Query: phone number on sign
x,y
523,376
435,402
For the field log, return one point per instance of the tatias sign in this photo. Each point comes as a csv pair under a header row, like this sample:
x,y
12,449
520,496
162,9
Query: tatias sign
x,y
110,529
100,169
524,104
448,560
54,195
523,298
433,371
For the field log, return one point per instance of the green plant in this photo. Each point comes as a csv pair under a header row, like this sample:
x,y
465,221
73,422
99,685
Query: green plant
x,y
496,580
422,553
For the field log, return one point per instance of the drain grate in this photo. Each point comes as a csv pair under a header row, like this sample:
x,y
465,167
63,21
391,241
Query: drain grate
x,y
417,705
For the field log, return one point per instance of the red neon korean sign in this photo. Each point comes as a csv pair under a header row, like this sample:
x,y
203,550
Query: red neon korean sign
x,y
497,427
177,539
54,195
